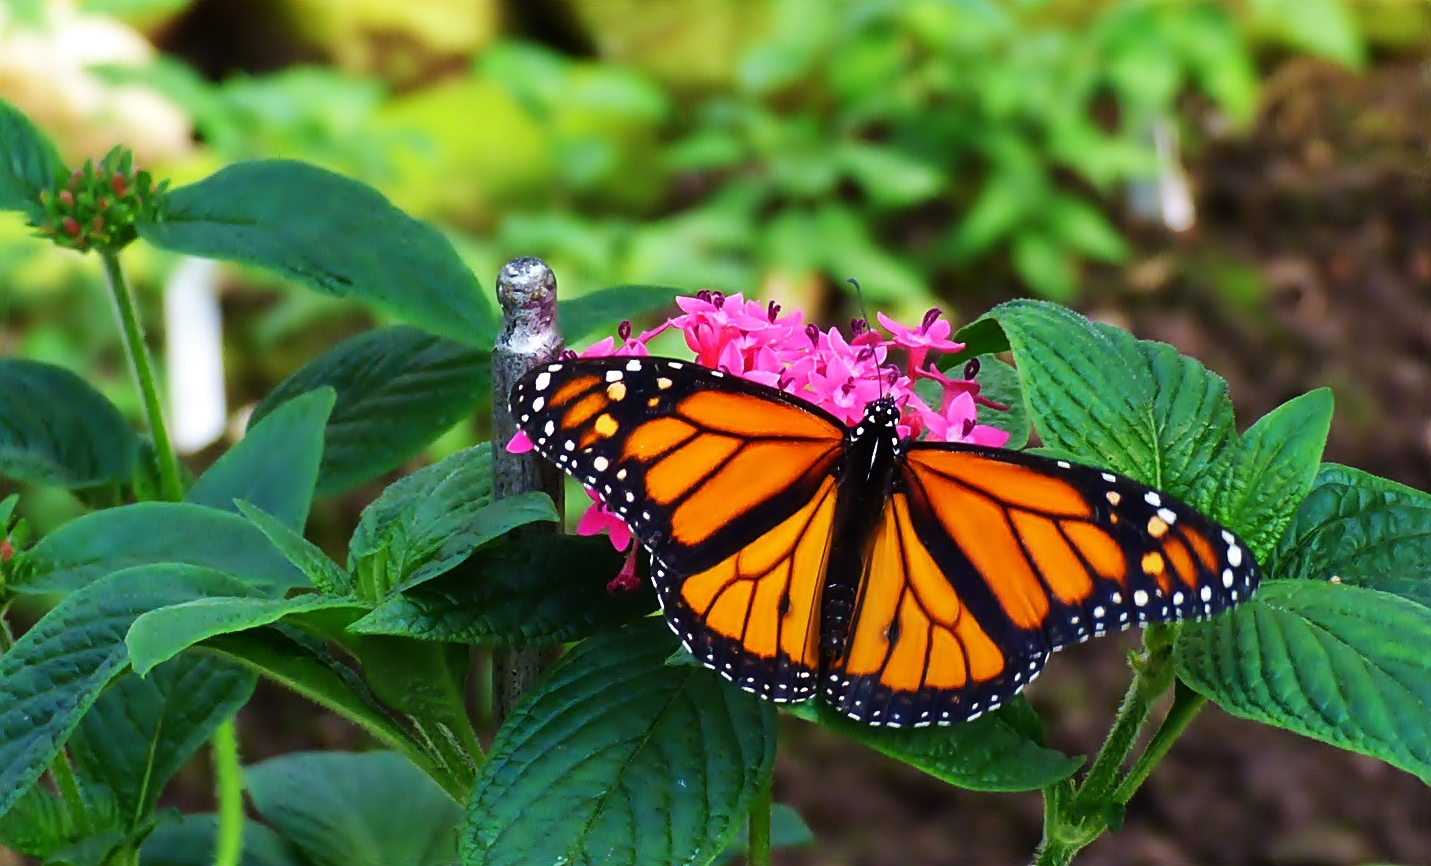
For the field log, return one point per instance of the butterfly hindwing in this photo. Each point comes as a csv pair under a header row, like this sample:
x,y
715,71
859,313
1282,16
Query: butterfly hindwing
x,y
917,652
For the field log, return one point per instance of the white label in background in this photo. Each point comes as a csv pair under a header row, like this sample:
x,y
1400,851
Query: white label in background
x,y
194,355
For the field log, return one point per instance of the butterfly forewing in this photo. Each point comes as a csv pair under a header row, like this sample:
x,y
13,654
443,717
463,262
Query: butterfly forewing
x,y
697,469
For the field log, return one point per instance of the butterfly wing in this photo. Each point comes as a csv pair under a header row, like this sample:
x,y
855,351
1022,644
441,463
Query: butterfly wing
x,y
728,483
988,560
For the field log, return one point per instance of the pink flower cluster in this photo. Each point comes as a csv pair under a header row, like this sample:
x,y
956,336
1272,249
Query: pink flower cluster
x,y
842,376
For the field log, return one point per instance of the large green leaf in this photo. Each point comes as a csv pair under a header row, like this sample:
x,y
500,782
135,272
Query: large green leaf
x,y
309,558
56,671
275,465
331,234
1341,664
1272,468
29,163
190,842
142,730
581,317
303,665
1136,407
1362,530
356,809
523,592
423,525
991,753
55,428
426,682
617,758
90,547
159,635
398,389
37,825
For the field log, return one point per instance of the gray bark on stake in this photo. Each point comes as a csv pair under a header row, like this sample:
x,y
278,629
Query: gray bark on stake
x,y
526,289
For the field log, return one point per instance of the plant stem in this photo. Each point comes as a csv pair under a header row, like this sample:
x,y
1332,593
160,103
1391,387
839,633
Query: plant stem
x,y
1152,675
1186,704
758,831
133,335
228,846
526,289
228,776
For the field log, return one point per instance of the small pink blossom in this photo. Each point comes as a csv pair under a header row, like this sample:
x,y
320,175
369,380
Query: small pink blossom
x,y
597,518
932,333
519,444
626,579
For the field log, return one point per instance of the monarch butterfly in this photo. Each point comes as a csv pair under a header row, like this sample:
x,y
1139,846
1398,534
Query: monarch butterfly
x,y
906,583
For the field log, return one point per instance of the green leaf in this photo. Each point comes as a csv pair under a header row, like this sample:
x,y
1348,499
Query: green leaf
x,y
1272,469
581,317
523,592
427,683
1081,227
889,177
275,465
159,635
1135,407
56,671
617,758
1045,265
327,575
1000,382
37,824
96,544
787,830
331,234
423,525
29,163
190,842
991,753
55,428
303,665
141,731
1340,664
1193,421
1363,530
356,809
398,390
1326,28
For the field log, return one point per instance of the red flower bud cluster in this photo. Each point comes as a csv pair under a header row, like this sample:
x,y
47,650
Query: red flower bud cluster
x,y
97,205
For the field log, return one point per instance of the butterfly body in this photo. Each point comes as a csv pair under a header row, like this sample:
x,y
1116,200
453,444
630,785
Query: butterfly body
x,y
906,583
864,481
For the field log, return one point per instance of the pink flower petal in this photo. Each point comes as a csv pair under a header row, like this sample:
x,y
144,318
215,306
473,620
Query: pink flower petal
x,y
519,444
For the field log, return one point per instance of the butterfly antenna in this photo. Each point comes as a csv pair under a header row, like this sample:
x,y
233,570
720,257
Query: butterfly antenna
x,y
864,312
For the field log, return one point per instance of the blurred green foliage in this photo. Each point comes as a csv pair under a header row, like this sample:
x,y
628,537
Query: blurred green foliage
x,y
773,147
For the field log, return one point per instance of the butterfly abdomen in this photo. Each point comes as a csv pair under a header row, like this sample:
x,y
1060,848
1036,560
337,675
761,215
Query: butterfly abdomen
x,y
866,474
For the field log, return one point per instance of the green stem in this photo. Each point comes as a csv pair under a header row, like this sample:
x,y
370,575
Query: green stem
x,y
1186,704
69,789
228,846
1152,675
227,773
758,847
133,335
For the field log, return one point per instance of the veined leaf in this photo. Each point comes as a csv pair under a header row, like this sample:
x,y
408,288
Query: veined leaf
x,y
617,758
1363,531
1341,664
329,233
398,389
